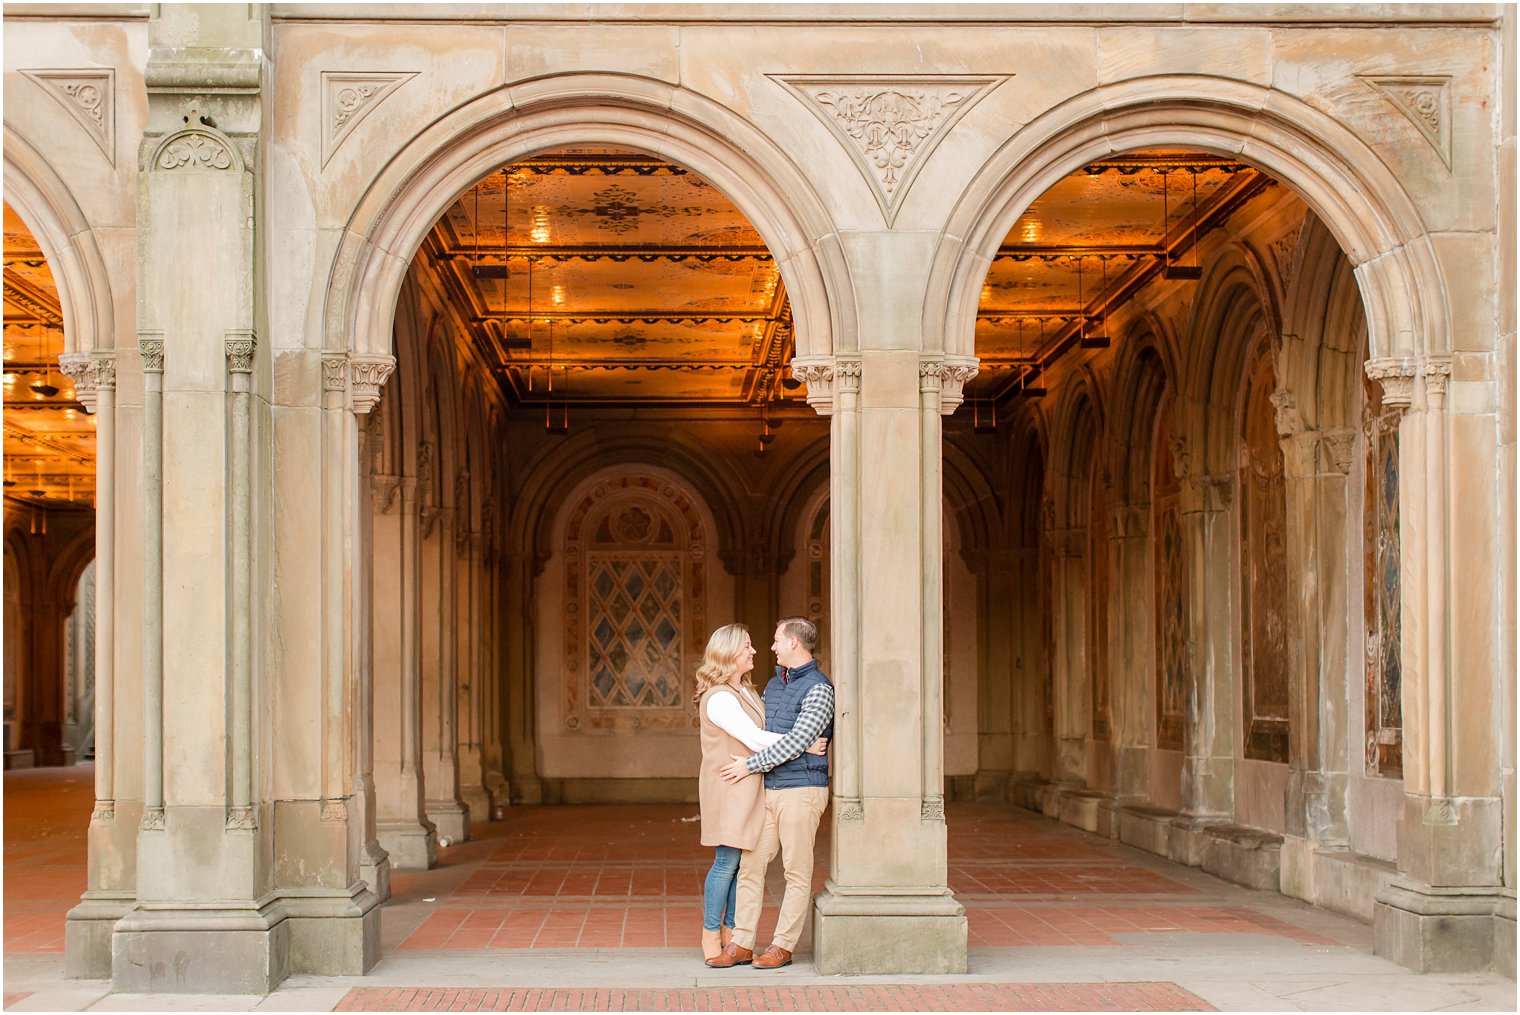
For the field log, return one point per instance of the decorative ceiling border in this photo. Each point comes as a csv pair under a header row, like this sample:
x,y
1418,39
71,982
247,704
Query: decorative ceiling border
x,y
889,125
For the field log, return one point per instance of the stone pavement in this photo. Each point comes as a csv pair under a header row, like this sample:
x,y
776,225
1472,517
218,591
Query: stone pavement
x,y
595,908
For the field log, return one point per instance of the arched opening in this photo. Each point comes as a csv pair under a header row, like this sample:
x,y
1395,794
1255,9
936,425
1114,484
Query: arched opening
x,y
1187,336
576,472
49,510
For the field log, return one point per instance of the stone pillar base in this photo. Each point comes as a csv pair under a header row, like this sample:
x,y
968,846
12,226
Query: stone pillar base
x,y
1436,930
375,871
1504,935
888,933
451,820
477,800
412,846
201,951
87,934
335,934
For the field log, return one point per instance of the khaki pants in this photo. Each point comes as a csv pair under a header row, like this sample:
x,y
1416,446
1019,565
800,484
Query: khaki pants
x,y
791,824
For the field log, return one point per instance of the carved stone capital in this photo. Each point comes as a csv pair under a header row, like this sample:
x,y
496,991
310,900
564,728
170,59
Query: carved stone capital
x,y
367,375
818,374
847,374
150,345
152,819
239,349
1437,371
1287,418
241,819
1338,445
76,366
932,809
850,809
105,370
1396,375
382,492
947,376
105,810
334,811
335,371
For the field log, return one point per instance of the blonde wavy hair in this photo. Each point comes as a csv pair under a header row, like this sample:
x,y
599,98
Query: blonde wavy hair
x,y
720,659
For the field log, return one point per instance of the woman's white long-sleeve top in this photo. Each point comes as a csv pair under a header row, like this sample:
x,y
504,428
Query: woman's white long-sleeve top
x,y
725,711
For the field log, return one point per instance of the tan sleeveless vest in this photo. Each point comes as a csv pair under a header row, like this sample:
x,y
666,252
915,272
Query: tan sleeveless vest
x,y
732,813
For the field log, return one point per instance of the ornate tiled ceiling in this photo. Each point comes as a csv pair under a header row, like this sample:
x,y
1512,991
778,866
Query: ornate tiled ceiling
x,y
1090,242
49,439
619,278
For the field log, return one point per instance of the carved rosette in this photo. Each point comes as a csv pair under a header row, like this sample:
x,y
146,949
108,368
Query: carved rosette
x,y
89,96
77,367
818,374
367,375
1396,375
239,349
150,345
1426,103
348,98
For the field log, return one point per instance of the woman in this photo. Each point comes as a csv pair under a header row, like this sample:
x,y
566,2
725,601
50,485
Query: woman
x,y
731,718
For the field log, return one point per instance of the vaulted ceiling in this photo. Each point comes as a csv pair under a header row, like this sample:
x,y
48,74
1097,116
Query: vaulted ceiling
x,y
606,277
593,275
49,438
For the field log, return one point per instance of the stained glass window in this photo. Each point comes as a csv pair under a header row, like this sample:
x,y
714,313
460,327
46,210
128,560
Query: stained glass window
x,y
1384,674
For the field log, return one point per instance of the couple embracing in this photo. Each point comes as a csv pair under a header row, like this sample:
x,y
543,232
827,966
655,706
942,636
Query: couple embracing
x,y
748,819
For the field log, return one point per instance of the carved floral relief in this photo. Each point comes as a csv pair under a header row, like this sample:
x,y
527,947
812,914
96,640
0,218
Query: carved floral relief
x,y
1169,577
1381,592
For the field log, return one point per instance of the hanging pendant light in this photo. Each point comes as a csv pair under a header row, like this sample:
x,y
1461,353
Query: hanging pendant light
x,y
1188,272
42,388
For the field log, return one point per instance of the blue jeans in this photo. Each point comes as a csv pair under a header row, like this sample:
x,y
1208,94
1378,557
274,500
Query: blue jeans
x,y
720,889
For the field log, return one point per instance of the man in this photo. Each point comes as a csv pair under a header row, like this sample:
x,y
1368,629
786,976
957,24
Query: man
x,y
799,702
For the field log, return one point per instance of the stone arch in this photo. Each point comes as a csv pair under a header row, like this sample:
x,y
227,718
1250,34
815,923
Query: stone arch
x,y
1077,433
443,160
549,478
49,209
1339,176
1141,378
1229,316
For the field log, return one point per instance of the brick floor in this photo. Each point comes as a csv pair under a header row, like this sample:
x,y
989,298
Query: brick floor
x,y
1145,996
47,817
21,995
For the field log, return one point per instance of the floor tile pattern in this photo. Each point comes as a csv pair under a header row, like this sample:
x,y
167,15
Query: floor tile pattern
x,y
1148,996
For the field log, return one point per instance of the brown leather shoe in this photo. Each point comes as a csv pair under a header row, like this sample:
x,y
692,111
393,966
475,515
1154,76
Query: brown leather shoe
x,y
773,957
733,955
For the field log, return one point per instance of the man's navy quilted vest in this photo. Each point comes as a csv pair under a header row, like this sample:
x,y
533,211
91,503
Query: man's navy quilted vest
x,y
783,702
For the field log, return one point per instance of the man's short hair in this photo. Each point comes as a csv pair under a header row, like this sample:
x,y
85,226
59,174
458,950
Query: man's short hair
x,y
801,628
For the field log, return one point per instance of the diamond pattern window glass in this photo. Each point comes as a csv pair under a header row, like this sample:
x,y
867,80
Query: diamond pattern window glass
x,y
633,653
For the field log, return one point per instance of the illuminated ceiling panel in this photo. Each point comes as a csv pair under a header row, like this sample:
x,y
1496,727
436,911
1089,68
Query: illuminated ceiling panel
x,y
49,438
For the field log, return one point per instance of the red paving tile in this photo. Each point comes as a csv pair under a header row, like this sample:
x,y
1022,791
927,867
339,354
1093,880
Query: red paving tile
x,y
21,995
1141,996
631,877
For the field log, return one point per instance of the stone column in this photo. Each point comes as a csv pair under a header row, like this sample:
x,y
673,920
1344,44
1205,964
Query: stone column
x,y
1316,464
112,843
206,917
887,910
473,639
1134,651
445,811
516,612
1069,666
1442,912
1208,766
403,829
995,573
366,376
